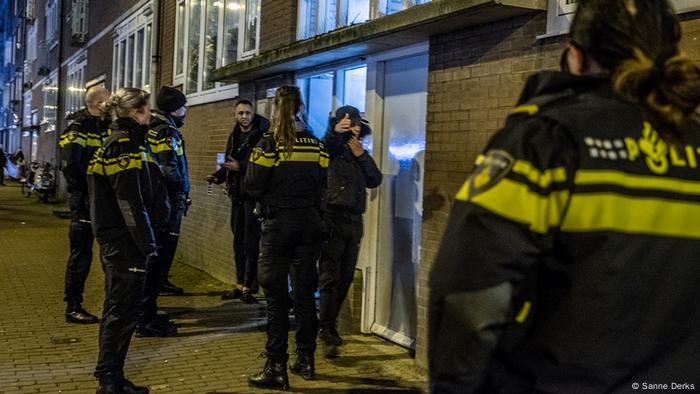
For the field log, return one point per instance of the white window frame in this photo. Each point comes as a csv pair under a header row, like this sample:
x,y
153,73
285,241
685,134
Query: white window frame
x,y
560,14
341,15
338,83
221,91
31,43
123,34
49,115
79,19
75,82
52,25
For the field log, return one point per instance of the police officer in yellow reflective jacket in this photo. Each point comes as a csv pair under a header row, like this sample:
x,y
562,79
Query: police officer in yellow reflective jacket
x,y
78,143
168,146
286,173
570,260
128,199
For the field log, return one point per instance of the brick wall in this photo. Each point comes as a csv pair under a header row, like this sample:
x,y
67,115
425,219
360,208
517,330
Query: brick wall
x,y
167,43
206,241
278,24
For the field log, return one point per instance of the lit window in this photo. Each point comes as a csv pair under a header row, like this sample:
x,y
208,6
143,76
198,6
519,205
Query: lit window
x,y
76,84
321,16
50,90
131,60
210,34
331,90
31,43
559,16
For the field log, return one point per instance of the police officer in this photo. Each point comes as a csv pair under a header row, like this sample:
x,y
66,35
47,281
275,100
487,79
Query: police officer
x,y
245,226
169,146
78,143
286,173
128,199
350,173
569,263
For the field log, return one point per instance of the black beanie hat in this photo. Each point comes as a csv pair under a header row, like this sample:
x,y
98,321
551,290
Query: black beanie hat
x,y
170,99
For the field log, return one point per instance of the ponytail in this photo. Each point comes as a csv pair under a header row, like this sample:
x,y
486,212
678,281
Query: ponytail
x,y
287,105
668,91
121,103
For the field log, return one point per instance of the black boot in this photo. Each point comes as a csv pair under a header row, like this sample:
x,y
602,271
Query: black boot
x,y
156,328
304,366
273,376
76,314
170,289
116,383
330,336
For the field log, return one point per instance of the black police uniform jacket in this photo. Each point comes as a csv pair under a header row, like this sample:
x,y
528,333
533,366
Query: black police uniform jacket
x,y
348,176
570,263
239,146
166,142
128,194
280,180
78,143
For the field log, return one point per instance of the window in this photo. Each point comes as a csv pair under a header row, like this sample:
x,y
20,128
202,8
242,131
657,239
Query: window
x,y
131,61
51,19
321,16
560,13
31,43
79,27
330,90
27,110
210,34
50,90
76,84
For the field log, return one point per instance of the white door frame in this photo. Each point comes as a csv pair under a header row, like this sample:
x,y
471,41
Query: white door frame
x,y
369,251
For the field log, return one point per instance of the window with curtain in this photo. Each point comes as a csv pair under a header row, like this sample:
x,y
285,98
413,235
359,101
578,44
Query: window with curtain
x,y
211,34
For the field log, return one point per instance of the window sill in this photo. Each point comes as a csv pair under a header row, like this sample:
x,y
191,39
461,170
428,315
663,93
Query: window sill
x,y
218,94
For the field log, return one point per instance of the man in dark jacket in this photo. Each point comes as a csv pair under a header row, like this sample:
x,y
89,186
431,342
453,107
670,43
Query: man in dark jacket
x,y
78,143
352,170
245,226
166,143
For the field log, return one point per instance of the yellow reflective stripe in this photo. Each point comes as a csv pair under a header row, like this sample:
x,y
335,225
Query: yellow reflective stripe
x,y
635,215
313,157
541,178
65,141
640,182
524,312
515,201
94,142
264,160
529,109
161,147
111,169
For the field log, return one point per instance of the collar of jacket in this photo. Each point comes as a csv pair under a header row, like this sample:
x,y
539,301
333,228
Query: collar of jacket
x,y
164,117
136,131
554,82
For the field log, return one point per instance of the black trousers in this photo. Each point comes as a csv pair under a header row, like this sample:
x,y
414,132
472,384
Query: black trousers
x,y
290,244
81,239
158,267
336,268
124,266
246,242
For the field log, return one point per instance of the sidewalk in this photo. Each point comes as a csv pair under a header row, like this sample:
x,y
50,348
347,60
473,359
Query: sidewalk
x,y
216,348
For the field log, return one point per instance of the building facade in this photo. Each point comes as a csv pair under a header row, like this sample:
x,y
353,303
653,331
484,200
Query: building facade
x,y
435,78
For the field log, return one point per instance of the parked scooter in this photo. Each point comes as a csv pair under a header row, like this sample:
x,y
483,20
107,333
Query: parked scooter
x,y
40,181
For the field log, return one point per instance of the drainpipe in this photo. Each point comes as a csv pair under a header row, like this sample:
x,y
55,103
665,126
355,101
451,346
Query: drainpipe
x,y
154,81
59,103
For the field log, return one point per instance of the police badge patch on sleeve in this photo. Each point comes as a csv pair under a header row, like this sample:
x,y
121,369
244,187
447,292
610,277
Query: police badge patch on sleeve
x,y
256,154
124,160
496,164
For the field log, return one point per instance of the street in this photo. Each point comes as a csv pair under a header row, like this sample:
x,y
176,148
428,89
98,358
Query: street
x,y
217,344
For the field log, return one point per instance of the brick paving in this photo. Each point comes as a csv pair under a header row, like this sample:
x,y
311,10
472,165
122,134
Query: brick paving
x,y
217,345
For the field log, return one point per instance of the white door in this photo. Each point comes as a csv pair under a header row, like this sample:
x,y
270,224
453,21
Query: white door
x,y
400,109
